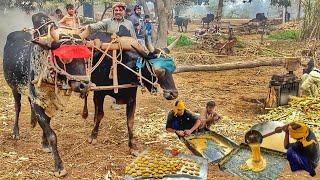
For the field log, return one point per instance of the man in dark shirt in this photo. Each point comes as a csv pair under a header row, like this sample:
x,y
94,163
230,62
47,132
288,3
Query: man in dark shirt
x,y
139,33
303,154
181,121
136,18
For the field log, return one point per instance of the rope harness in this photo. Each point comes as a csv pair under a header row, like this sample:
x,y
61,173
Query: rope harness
x,y
116,61
54,69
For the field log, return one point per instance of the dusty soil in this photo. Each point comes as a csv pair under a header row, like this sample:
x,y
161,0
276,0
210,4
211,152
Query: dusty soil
x,y
24,159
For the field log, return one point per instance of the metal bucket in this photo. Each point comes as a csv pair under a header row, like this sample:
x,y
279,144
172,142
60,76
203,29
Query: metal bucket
x,y
274,142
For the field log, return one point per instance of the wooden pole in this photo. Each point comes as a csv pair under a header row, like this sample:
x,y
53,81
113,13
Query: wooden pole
x,y
231,66
115,70
101,88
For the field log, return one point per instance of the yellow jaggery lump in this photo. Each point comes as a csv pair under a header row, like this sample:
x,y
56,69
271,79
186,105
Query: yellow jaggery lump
x,y
256,163
199,144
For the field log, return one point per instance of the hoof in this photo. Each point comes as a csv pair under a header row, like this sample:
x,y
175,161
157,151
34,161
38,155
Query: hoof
x,y
47,149
134,152
92,141
16,136
84,115
61,173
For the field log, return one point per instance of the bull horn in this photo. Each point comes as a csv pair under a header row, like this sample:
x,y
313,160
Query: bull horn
x,y
53,33
149,44
140,51
172,45
41,44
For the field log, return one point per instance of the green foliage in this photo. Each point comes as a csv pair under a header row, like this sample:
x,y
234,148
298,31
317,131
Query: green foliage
x,y
240,44
285,35
184,40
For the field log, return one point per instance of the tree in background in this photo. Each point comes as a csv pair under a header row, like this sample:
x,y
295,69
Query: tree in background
x,y
311,23
164,10
107,5
299,9
143,3
285,4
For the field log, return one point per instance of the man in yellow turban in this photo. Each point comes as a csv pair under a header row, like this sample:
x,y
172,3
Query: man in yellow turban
x,y
181,121
304,153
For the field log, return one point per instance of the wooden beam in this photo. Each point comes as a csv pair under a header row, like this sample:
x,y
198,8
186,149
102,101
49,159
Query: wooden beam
x,y
231,66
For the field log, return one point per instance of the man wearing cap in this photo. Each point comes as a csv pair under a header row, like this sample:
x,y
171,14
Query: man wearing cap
x,y
111,25
304,153
181,121
138,21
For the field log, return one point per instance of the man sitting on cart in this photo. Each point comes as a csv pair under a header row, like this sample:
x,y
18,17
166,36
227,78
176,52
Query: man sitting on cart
x,y
111,25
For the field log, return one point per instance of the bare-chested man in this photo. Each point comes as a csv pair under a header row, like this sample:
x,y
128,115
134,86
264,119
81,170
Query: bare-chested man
x,y
208,116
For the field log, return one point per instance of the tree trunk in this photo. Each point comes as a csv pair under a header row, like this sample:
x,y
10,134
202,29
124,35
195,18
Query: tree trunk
x,y
231,66
145,7
163,15
155,10
170,22
284,10
219,11
169,10
299,10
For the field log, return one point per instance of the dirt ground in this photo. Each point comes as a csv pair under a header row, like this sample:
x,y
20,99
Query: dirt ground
x,y
24,159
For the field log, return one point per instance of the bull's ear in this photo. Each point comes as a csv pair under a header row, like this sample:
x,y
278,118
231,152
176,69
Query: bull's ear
x,y
41,44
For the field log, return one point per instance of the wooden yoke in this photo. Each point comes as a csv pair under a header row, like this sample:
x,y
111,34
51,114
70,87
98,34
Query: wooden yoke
x,y
117,43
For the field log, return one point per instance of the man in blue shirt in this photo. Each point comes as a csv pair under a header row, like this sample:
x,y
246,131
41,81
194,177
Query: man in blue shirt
x,y
148,27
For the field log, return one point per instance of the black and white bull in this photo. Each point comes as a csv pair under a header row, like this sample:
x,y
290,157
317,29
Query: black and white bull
x,y
24,63
182,22
128,95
